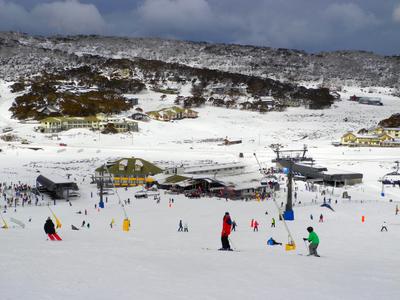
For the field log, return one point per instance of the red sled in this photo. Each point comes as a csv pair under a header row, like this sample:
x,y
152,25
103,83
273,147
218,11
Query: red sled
x,y
57,237
54,237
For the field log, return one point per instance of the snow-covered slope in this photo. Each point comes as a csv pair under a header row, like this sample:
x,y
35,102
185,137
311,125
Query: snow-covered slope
x,y
329,68
153,260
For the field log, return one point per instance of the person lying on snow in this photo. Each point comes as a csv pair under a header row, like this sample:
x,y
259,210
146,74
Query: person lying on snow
x,y
272,242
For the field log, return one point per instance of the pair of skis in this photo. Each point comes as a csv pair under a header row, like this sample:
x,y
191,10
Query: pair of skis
x,y
222,250
54,237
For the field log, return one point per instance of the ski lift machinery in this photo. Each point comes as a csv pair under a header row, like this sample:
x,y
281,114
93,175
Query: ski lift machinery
x,y
391,178
291,245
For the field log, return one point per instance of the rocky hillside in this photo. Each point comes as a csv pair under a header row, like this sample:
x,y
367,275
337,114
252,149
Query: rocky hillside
x,y
331,68
393,121
23,57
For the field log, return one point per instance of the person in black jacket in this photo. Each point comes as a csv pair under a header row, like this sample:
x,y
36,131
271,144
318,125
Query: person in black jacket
x,y
49,227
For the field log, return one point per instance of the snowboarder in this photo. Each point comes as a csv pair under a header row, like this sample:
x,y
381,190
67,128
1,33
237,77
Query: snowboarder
x,y
255,226
272,242
384,227
321,218
180,226
273,222
226,231
313,240
234,226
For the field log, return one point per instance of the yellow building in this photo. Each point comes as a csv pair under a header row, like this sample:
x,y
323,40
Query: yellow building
x,y
127,172
98,122
369,140
394,132
173,113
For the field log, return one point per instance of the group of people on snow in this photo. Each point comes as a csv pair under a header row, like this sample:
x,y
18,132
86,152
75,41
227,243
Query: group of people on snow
x,y
183,227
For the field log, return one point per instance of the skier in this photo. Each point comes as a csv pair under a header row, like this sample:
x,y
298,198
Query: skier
x,y
49,227
226,230
272,242
397,210
50,230
273,222
321,218
234,226
180,226
384,227
255,226
252,223
83,223
186,227
311,217
314,241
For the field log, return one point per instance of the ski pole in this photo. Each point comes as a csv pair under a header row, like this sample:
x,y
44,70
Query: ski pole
x,y
305,244
233,244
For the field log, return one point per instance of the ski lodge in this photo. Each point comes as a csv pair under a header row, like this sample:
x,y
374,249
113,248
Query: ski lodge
x,y
228,180
98,122
126,172
377,137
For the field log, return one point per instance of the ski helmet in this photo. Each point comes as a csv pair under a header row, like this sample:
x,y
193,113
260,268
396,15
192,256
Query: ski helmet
x,y
310,229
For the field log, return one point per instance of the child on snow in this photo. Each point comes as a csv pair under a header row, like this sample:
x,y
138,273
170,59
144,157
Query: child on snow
x,y
313,239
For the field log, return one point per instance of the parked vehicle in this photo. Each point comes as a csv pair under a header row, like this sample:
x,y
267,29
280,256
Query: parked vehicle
x,y
141,194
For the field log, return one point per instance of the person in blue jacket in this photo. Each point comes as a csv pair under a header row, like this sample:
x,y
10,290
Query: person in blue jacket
x,y
272,242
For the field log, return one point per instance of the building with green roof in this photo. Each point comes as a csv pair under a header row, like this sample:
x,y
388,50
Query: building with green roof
x,y
127,172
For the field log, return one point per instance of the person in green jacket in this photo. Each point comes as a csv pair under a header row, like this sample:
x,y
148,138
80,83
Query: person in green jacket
x,y
314,241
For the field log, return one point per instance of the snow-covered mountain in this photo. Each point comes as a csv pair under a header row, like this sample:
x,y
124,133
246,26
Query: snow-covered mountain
x,y
330,68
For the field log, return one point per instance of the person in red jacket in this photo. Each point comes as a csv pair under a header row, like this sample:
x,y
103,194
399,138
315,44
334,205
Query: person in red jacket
x,y
255,228
226,231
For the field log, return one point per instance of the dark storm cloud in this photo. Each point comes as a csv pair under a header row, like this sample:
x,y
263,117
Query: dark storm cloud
x,y
313,25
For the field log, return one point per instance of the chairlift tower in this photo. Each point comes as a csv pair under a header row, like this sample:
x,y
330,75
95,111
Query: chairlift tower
x,y
288,158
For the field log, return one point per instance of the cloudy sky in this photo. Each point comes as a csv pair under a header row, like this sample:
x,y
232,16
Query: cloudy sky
x,y
312,25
